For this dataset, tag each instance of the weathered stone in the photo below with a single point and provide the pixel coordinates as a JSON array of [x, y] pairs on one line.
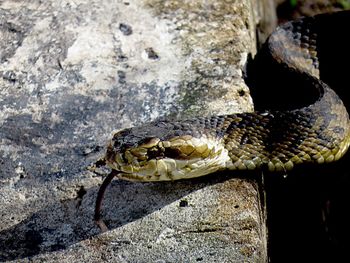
[[71, 72]]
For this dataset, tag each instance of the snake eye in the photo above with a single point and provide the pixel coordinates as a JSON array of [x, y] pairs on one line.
[[155, 153], [173, 153]]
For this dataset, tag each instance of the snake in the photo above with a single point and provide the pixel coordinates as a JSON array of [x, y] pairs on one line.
[[313, 129]]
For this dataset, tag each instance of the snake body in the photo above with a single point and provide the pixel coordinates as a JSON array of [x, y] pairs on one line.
[[316, 131]]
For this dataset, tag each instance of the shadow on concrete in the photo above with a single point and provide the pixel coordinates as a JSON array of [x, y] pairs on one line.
[[65, 222]]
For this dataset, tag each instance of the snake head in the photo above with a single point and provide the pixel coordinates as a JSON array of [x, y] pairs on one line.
[[161, 153]]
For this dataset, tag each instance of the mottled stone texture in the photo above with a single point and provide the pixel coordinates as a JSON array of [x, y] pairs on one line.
[[71, 72]]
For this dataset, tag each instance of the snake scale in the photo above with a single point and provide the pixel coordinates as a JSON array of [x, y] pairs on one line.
[[314, 129]]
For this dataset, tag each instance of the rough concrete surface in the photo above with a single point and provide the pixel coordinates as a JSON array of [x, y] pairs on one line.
[[71, 72]]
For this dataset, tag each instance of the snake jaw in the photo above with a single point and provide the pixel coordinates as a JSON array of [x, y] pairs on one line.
[[163, 160]]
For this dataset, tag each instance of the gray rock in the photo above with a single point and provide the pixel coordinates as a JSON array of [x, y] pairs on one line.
[[72, 72]]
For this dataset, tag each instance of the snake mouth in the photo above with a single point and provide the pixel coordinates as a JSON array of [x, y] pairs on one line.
[[180, 157]]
